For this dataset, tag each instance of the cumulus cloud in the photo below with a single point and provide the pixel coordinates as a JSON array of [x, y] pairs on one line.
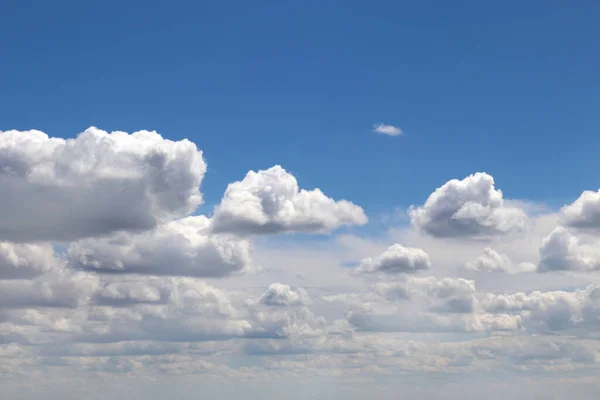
[[126, 300], [444, 295], [492, 261], [23, 261], [548, 311], [468, 207], [278, 294], [187, 309], [269, 201], [58, 288], [389, 130], [563, 251], [406, 321], [64, 189], [583, 212], [184, 247], [397, 259]]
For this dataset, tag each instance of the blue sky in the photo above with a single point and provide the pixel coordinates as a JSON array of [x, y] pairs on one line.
[[476, 86], [112, 276]]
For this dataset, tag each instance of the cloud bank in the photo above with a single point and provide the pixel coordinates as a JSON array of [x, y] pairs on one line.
[[108, 273]]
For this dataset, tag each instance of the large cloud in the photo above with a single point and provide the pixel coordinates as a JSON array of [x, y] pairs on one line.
[[549, 311], [563, 251], [470, 207], [184, 247], [269, 201], [65, 189], [172, 309], [396, 259], [583, 212]]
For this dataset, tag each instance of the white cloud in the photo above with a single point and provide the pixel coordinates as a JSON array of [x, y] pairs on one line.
[[278, 294], [468, 207], [97, 183], [549, 311], [57, 288], [492, 261], [23, 261], [184, 247], [583, 212], [125, 301], [389, 130], [563, 251], [397, 259], [269, 201]]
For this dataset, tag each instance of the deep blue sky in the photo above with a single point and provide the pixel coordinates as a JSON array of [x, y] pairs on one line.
[[510, 87]]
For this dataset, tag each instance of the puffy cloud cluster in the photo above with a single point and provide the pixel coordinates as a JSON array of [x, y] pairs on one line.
[[269, 201], [185, 247], [57, 288], [101, 255], [468, 207], [278, 294], [94, 184], [563, 251], [397, 259], [23, 261], [492, 261], [583, 212], [549, 311]]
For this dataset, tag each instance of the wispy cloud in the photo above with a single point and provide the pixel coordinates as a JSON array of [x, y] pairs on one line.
[[389, 130]]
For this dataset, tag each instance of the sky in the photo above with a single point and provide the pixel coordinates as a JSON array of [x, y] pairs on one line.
[[307, 200]]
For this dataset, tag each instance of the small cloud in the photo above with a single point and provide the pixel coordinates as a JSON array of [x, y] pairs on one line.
[[389, 130]]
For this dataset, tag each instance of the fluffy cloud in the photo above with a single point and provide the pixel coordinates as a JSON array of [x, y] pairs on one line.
[[65, 189], [184, 247], [125, 300], [492, 261], [269, 201], [562, 251], [583, 212], [470, 207], [389, 130], [396, 259], [278, 294], [187, 309], [549, 311], [57, 288], [23, 261], [444, 295]]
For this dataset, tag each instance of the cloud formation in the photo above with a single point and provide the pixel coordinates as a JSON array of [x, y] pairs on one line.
[[389, 130], [584, 212], [270, 201], [468, 207], [397, 259], [184, 247], [492, 261], [94, 184], [563, 251], [24, 261], [113, 290], [278, 294]]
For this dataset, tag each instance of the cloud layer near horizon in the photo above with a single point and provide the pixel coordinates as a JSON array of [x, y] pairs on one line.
[[105, 270]]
